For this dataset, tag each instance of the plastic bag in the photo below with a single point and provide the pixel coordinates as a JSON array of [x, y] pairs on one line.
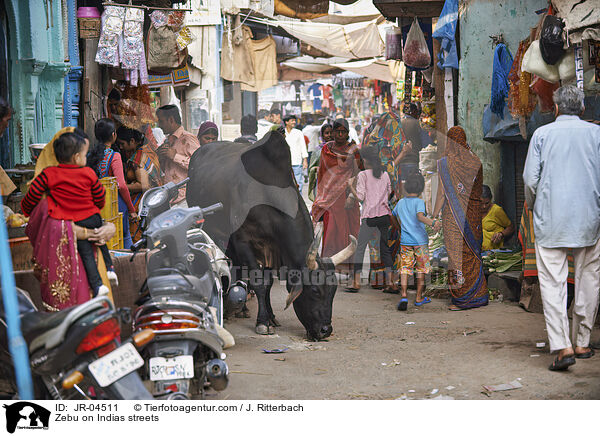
[[416, 53], [393, 43], [534, 63], [551, 41]]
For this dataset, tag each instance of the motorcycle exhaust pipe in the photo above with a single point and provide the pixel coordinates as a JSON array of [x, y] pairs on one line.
[[217, 374]]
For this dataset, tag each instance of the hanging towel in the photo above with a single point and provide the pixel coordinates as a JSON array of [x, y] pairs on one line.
[[503, 61]]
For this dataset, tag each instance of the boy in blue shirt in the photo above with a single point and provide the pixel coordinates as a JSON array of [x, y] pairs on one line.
[[414, 241]]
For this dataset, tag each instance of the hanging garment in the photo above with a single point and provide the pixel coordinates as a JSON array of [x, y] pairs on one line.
[[236, 60], [263, 53], [503, 61], [445, 31]]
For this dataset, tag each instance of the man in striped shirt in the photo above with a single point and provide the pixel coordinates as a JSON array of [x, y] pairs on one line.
[[74, 194]]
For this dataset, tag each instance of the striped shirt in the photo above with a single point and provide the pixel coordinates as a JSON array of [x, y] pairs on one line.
[[74, 192]]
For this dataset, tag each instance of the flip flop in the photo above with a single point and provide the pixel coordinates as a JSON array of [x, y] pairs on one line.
[[562, 364], [424, 301], [390, 290], [351, 290], [403, 304], [585, 355]]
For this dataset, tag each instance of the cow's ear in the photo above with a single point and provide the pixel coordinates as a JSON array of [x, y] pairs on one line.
[[294, 293]]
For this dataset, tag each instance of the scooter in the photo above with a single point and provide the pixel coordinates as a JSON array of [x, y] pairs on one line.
[[77, 353], [186, 355], [227, 297]]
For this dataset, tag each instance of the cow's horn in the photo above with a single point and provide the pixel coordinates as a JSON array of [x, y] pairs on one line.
[[311, 257], [340, 257]]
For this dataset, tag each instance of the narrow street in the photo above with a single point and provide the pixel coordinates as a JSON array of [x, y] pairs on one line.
[[486, 346]]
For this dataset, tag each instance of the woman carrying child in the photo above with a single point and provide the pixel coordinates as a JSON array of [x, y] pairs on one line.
[[75, 194], [410, 212], [373, 189]]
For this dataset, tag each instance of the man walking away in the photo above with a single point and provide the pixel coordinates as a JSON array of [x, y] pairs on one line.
[[264, 123], [562, 185], [295, 140], [176, 151], [248, 126]]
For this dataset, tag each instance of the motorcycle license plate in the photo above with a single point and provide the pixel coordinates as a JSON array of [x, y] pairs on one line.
[[116, 364], [170, 368]]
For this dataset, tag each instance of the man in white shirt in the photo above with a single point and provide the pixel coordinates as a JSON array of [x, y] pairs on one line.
[[295, 140], [264, 123], [312, 133]]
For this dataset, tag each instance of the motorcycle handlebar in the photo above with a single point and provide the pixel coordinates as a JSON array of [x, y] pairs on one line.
[[212, 209], [135, 247], [183, 182]]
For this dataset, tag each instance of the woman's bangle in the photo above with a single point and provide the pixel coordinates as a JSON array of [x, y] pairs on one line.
[[85, 233]]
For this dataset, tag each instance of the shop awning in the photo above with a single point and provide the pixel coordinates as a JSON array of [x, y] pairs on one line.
[[371, 69], [352, 41], [581, 17]]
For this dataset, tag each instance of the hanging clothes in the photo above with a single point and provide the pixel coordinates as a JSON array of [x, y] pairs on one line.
[[263, 53], [503, 62]]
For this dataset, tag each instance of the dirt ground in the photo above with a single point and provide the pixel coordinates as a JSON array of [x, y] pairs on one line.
[[374, 354]]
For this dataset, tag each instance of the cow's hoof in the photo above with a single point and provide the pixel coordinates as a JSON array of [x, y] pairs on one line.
[[262, 329], [271, 330], [275, 323]]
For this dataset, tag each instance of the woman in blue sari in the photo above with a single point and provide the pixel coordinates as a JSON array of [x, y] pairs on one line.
[[459, 199]]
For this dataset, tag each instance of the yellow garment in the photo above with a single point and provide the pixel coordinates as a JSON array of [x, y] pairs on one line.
[[48, 159], [6, 184], [495, 221]]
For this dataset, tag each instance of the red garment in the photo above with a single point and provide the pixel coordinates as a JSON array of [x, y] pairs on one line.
[[116, 170], [335, 169], [74, 192]]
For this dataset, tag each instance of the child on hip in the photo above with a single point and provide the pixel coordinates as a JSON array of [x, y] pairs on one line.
[[74, 194]]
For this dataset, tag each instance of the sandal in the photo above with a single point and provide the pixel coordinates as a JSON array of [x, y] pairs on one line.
[[351, 290], [562, 364], [423, 301], [403, 304], [391, 290], [585, 355]]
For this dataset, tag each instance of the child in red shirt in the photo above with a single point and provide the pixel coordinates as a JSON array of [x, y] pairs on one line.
[[74, 194]]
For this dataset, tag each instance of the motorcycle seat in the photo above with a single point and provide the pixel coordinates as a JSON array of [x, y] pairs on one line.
[[171, 284], [34, 324]]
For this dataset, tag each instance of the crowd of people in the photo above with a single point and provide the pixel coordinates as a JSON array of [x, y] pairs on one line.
[[368, 188]]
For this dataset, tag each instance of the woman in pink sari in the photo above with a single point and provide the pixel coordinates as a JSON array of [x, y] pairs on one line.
[[57, 265]]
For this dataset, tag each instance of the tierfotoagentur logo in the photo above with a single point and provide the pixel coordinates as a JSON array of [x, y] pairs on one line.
[[26, 416]]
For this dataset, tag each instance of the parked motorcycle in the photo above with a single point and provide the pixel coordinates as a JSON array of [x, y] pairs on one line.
[[184, 281], [77, 353], [227, 297]]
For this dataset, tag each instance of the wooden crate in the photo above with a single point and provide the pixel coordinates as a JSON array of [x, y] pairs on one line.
[[111, 205], [116, 243], [21, 252]]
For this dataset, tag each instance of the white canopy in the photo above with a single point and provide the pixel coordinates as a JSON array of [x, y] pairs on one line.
[[313, 65], [371, 68], [352, 41]]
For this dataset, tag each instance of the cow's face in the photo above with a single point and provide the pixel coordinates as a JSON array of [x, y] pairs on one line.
[[314, 304]]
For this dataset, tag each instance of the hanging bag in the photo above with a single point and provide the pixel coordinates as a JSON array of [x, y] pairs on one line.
[[163, 54], [416, 54], [551, 41]]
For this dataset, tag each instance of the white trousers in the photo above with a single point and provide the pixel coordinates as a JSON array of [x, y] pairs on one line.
[[553, 270]]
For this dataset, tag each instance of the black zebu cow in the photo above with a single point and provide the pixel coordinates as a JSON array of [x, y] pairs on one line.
[[265, 227]]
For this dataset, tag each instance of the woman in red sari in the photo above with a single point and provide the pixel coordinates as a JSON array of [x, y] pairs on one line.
[[334, 204], [461, 182]]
